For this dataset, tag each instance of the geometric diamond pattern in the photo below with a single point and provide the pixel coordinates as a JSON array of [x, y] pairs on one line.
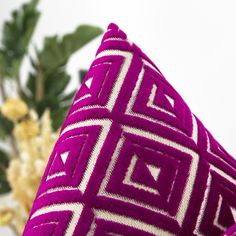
[[132, 159]]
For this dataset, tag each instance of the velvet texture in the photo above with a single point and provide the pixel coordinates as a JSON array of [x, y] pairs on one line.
[[132, 159]]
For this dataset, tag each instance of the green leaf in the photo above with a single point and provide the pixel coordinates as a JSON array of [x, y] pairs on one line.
[[48, 82], [31, 83], [6, 127], [58, 116], [4, 185], [57, 50], [49, 102], [2, 63], [56, 82], [68, 96], [16, 37], [82, 74], [4, 159], [76, 40], [4, 162]]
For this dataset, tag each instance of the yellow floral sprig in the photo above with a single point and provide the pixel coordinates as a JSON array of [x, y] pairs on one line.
[[14, 109], [35, 139], [6, 216]]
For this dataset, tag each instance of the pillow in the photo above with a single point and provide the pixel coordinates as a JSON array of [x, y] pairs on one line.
[[132, 159]]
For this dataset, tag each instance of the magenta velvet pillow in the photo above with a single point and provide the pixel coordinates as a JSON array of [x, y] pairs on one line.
[[132, 159]]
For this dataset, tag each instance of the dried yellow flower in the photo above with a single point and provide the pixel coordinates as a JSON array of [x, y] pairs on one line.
[[14, 109], [26, 129], [27, 170], [6, 216]]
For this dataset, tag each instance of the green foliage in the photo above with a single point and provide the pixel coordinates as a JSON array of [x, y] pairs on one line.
[[5, 127], [4, 161], [49, 79], [57, 51], [16, 37], [82, 74]]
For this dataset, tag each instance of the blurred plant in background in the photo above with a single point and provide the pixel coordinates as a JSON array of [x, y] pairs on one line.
[[30, 116]]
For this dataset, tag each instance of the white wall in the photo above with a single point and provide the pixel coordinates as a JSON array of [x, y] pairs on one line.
[[192, 42]]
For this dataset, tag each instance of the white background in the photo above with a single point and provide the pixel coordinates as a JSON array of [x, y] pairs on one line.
[[192, 42]]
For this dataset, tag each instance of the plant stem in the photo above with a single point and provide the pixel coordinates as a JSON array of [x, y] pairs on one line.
[[13, 228], [19, 86], [15, 151], [39, 85]]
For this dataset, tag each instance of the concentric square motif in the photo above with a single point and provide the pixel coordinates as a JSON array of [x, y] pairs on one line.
[[132, 159]]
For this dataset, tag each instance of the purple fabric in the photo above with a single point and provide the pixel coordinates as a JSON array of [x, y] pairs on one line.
[[231, 231], [132, 159]]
